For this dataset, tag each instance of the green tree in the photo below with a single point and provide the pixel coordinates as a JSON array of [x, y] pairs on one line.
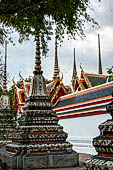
[[11, 97], [110, 72], [6, 123], [48, 81], [30, 16], [29, 79]]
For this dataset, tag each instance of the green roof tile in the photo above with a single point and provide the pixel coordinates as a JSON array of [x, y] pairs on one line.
[[96, 80]]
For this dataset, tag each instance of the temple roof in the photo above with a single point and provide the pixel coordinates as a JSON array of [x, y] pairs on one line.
[[96, 79], [87, 102], [49, 86], [57, 89], [68, 89], [88, 80], [85, 95]]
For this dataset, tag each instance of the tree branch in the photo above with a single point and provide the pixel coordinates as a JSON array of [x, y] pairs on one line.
[[8, 8]]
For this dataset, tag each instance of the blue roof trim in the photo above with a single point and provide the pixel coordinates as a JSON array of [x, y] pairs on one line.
[[80, 110], [85, 97]]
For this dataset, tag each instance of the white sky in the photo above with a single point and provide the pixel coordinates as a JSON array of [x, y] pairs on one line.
[[21, 57]]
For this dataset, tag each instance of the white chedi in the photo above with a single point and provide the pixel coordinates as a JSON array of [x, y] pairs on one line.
[[4, 101]]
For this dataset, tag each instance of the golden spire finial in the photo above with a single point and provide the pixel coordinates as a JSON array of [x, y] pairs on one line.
[[14, 82], [20, 75], [61, 78], [81, 67], [58, 73]]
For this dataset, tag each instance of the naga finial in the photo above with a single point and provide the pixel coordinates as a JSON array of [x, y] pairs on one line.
[[81, 67], [20, 75], [14, 82]]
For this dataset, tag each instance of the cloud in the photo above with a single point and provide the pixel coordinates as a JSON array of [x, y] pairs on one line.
[[103, 12], [21, 57]]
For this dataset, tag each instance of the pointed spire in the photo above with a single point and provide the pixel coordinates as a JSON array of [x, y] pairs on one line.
[[37, 57], [100, 63], [38, 87], [74, 68], [5, 71], [56, 69]]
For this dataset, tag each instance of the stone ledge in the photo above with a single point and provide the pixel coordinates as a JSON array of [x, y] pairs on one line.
[[32, 162]]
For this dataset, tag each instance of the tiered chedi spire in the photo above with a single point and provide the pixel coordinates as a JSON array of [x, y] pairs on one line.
[[38, 85], [4, 98], [7, 123], [40, 141], [56, 68], [37, 69], [100, 63], [5, 71], [74, 76], [74, 68]]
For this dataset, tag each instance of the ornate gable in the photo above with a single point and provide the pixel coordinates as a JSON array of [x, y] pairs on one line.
[[56, 89]]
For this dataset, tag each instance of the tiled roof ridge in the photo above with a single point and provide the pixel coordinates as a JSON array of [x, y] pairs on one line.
[[96, 75], [68, 95]]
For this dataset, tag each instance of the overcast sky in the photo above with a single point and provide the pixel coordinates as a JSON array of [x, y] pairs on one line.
[[21, 57]]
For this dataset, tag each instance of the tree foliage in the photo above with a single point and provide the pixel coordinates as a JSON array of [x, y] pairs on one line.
[[30, 16], [48, 81], [110, 72], [6, 120], [11, 97]]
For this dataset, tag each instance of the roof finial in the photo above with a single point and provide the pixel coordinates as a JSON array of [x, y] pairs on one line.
[[100, 64], [81, 68], [21, 81], [14, 82], [74, 68], [5, 71], [56, 69], [20, 75], [37, 57]]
